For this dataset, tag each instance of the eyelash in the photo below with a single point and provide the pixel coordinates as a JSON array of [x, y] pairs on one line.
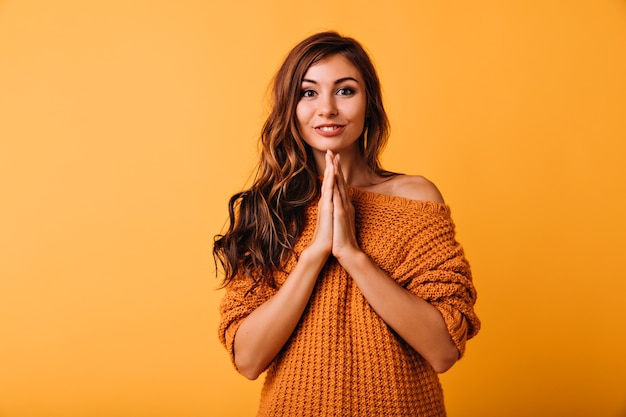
[[343, 91], [347, 91]]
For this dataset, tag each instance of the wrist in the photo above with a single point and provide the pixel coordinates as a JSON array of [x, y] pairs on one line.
[[350, 256], [314, 255]]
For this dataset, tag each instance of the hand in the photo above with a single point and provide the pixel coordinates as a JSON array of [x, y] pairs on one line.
[[323, 237], [344, 229]]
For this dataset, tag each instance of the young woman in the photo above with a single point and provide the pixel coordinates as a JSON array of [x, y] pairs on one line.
[[343, 281]]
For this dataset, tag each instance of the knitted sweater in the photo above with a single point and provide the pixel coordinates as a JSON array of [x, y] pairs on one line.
[[342, 359]]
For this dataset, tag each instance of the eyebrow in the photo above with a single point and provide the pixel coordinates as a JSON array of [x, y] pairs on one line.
[[339, 81]]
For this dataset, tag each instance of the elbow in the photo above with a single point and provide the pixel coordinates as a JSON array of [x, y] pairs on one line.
[[444, 362], [249, 374], [248, 369], [442, 366], [248, 362]]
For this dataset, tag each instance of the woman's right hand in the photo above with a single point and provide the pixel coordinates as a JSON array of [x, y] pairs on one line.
[[265, 331], [322, 242]]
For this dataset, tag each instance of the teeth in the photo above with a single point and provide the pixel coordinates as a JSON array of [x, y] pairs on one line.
[[328, 128]]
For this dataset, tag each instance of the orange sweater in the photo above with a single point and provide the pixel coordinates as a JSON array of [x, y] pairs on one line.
[[342, 359]]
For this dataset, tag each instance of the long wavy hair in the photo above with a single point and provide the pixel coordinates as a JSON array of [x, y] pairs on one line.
[[266, 219]]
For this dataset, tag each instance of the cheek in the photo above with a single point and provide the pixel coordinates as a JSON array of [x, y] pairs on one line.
[[301, 113], [360, 113], [364, 108], [357, 110]]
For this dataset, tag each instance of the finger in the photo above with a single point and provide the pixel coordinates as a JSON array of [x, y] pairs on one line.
[[341, 181], [324, 227], [337, 197], [329, 180], [339, 214], [341, 200]]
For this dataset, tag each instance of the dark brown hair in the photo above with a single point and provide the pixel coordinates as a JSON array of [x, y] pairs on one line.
[[266, 219]]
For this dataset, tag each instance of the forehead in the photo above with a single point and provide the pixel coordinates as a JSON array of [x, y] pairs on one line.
[[333, 68]]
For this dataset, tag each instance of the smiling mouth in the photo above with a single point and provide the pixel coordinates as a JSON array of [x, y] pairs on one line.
[[328, 128]]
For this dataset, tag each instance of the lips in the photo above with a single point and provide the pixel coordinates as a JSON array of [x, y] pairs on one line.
[[329, 129]]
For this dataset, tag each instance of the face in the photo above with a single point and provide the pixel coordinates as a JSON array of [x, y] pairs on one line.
[[331, 110]]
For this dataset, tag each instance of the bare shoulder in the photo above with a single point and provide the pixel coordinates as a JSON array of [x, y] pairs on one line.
[[413, 187]]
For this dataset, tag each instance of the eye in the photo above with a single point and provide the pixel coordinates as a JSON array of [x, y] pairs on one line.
[[307, 93], [345, 91]]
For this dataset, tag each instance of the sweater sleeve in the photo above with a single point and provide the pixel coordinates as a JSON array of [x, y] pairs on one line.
[[237, 303], [438, 272]]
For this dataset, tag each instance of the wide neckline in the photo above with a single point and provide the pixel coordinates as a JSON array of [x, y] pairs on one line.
[[373, 197]]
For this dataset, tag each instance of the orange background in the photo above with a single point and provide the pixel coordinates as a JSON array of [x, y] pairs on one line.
[[126, 126]]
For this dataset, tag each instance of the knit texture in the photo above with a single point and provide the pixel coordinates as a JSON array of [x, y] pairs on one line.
[[343, 359]]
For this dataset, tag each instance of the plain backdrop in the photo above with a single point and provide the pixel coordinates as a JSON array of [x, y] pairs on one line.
[[125, 126]]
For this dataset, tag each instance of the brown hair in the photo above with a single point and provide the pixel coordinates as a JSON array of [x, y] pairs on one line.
[[266, 219]]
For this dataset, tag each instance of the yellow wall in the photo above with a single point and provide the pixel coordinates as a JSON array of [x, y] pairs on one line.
[[126, 125]]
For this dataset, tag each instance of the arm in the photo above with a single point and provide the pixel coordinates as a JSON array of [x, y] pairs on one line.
[[264, 332], [417, 321]]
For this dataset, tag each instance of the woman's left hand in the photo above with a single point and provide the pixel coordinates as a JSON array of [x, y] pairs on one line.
[[344, 230]]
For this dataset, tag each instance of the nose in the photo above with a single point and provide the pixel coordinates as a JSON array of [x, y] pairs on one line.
[[326, 106]]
